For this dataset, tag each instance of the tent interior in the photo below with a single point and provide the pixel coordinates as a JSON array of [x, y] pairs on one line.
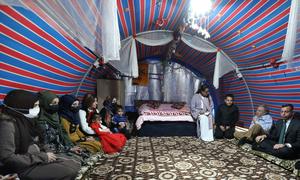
[[159, 49]]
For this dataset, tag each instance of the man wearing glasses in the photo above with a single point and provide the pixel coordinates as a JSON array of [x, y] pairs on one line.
[[283, 140], [260, 125]]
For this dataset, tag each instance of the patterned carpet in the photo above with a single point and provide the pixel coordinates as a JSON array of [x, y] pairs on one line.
[[170, 158]]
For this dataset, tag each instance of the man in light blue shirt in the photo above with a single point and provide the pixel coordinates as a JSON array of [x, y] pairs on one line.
[[283, 140], [260, 125]]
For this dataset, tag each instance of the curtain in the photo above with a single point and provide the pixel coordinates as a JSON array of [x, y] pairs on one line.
[[223, 64], [155, 38], [175, 84], [94, 23], [180, 84], [155, 74], [198, 43], [129, 91], [128, 64], [291, 49], [110, 30]]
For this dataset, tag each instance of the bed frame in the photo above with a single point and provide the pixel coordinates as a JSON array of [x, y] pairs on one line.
[[162, 128]]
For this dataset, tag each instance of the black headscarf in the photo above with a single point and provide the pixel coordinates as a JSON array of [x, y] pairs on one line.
[[46, 98], [66, 110], [17, 102]]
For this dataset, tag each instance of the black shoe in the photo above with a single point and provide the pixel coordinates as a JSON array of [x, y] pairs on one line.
[[297, 165], [242, 141]]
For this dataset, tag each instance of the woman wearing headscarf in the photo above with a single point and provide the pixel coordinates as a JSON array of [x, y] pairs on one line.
[[53, 136], [107, 112], [68, 112], [18, 152]]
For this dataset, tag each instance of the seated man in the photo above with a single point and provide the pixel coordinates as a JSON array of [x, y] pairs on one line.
[[226, 117], [283, 140], [260, 125]]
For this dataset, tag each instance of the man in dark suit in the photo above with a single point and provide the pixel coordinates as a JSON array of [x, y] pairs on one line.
[[283, 140]]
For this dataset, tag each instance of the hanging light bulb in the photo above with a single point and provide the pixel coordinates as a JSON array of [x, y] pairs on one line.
[[200, 7], [198, 16]]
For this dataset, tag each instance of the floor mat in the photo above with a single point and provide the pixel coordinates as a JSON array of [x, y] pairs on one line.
[[170, 158]]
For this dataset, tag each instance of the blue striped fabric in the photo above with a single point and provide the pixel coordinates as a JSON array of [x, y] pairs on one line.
[[34, 56], [270, 86], [141, 15], [37, 53], [230, 84]]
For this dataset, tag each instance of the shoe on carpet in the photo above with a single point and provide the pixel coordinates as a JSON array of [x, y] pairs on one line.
[[297, 165], [242, 141]]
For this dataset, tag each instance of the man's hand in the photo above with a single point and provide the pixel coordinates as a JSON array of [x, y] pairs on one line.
[[260, 138], [227, 127], [278, 146], [254, 120], [222, 128]]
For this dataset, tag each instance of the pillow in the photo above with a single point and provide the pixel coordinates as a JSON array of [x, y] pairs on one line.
[[154, 104], [139, 103], [178, 105]]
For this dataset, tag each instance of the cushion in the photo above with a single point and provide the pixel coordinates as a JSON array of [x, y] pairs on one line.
[[286, 164]]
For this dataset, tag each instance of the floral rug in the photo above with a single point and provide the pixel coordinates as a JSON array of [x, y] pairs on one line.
[[170, 158]]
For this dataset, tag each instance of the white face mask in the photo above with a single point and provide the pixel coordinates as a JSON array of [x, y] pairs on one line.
[[33, 113], [114, 100]]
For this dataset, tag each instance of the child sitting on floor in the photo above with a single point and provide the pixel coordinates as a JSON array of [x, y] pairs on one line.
[[111, 143], [120, 122]]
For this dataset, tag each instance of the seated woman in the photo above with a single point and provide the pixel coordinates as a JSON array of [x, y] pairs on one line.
[[18, 152], [89, 107], [53, 136], [109, 107], [68, 112], [111, 143]]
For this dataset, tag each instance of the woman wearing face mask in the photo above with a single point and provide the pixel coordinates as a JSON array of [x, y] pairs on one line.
[[68, 112], [18, 153], [53, 136]]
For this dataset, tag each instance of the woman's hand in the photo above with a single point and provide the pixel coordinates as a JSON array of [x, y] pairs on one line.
[[76, 149], [9, 177], [51, 157], [106, 130], [90, 138]]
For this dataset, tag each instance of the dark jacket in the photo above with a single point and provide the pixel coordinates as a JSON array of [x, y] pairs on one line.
[[14, 162], [292, 135], [227, 115]]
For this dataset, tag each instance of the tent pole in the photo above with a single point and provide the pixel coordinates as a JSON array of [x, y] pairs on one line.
[[85, 75]]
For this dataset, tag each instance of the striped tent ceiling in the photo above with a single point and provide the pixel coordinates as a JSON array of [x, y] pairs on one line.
[[37, 51], [250, 32]]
